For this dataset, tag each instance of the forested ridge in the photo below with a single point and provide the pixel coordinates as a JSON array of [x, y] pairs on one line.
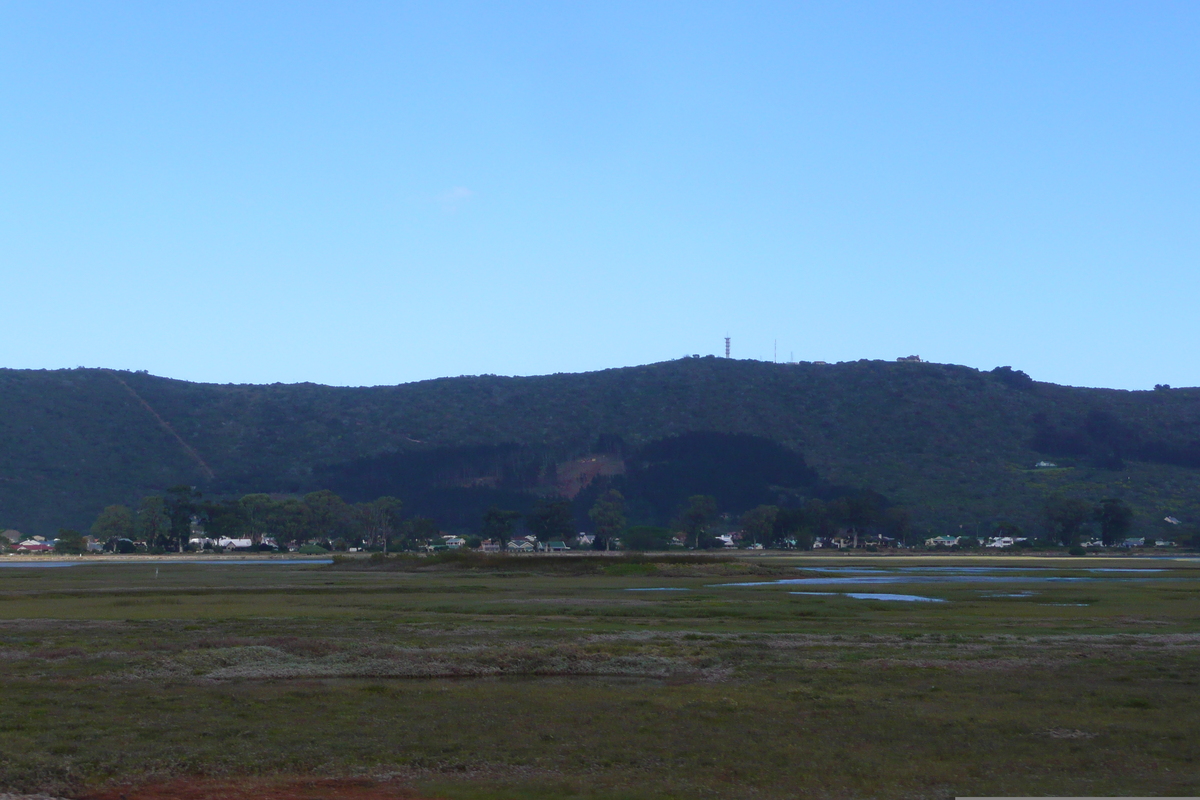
[[953, 445]]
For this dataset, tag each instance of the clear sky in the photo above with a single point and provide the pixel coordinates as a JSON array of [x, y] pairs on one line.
[[372, 193]]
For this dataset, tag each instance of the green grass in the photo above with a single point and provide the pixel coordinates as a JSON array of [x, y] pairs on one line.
[[473, 684]]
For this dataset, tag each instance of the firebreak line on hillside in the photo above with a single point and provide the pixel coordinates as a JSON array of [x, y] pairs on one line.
[[167, 427]]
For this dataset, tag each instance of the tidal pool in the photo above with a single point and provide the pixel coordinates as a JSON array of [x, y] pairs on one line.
[[878, 596]]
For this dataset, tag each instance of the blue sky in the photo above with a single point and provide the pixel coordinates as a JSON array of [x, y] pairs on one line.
[[373, 193]]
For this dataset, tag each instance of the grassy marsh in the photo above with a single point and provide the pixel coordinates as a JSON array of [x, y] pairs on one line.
[[468, 683]]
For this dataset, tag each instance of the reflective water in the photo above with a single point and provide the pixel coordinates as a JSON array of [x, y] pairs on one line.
[[897, 578], [959, 574], [659, 589], [878, 596]]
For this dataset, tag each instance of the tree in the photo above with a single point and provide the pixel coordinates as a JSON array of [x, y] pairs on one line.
[[256, 510], [608, 517], [498, 525], [72, 542], [695, 517], [1115, 518], [551, 520], [420, 530], [759, 523], [114, 522], [858, 512], [151, 524], [379, 519], [1065, 517], [646, 537], [1009, 529], [327, 514], [182, 503], [897, 523], [803, 525], [287, 520]]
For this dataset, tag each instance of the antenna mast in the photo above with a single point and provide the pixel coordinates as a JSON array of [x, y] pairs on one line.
[[727, 347]]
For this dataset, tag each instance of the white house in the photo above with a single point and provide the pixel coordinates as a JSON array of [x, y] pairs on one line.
[[942, 541]]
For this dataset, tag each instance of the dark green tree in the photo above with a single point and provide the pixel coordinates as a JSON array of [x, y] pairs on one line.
[[498, 525], [1065, 518], [695, 518], [646, 537], [151, 523], [608, 517], [896, 523], [181, 504], [420, 531], [327, 514], [379, 520], [287, 521], [1115, 518], [70, 541], [551, 520], [226, 518], [759, 523], [114, 522], [256, 509]]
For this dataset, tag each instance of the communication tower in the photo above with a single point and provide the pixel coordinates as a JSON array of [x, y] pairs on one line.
[[727, 347]]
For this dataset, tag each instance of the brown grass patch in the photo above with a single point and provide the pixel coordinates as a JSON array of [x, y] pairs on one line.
[[279, 788]]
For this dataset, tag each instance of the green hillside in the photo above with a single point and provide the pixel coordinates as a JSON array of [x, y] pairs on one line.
[[954, 445]]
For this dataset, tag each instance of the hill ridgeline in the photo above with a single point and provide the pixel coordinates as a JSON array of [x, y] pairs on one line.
[[953, 445]]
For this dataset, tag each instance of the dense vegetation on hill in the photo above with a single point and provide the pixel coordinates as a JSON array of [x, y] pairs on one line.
[[954, 445]]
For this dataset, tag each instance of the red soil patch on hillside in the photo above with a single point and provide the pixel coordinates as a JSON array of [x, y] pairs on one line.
[[261, 789]]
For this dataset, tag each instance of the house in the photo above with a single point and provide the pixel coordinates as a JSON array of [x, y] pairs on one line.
[[555, 547], [489, 546], [33, 546], [914, 359], [520, 546], [236, 544], [453, 542], [1002, 541], [585, 539], [1045, 465], [1171, 521], [942, 541], [726, 540], [1132, 542]]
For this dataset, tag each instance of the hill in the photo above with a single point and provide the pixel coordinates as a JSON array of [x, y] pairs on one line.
[[954, 445]]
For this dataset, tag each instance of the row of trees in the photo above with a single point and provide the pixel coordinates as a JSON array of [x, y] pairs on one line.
[[862, 512], [167, 521], [1068, 517]]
